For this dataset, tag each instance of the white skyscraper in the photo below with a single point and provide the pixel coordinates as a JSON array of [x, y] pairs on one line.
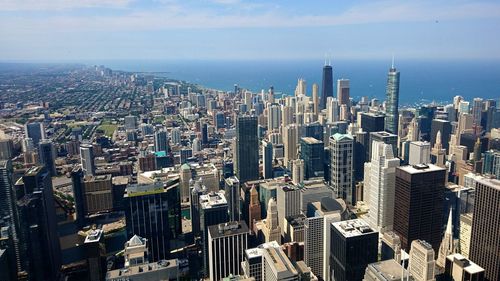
[[420, 152], [297, 171], [273, 117], [290, 142], [380, 180], [288, 202], [422, 264], [332, 109]]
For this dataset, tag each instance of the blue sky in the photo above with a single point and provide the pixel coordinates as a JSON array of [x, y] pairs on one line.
[[237, 29]]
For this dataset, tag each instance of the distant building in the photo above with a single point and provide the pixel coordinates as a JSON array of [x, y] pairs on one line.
[[87, 158], [232, 191], [326, 86], [420, 153], [247, 149], [47, 154], [392, 101], [6, 149], [444, 129], [312, 152], [98, 194], [35, 131]]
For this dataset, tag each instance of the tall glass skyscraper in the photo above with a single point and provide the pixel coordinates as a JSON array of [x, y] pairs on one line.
[[327, 85], [247, 149], [392, 101]]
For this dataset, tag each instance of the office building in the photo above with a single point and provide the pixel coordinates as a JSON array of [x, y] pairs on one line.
[[314, 191], [422, 265], [227, 243], [444, 127], [254, 212], [320, 216], [277, 266], [290, 142], [152, 204], [477, 107], [288, 203], [312, 152], [38, 227], [204, 133], [484, 243], [161, 141], [326, 85], [87, 158], [247, 149], [98, 194], [372, 122], [273, 117], [419, 185], [341, 149], [332, 110], [386, 270], [465, 234], [353, 246], [392, 101], [297, 171], [438, 153], [95, 252], [213, 210], [6, 149], [491, 163], [379, 186], [420, 153], [47, 154], [137, 266], [34, 131], [315, 97], [232, 191], [384, 137], [9, 215], [459, 267], [343, 92], [267, 159]]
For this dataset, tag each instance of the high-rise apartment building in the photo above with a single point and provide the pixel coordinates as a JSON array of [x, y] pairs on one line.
[[290, 142], [161, 141], [343, 92], [341, 148], [87, 158], [392, 101]]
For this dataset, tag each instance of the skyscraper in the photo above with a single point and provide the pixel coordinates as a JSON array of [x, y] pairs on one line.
[[327, 85], [420, 152], [341, 147], [288, 203], [161, 141], [47, 156], [227, 243], [290, 141], [6, 149], [312, 152], [38, 226], [247, 149], [232, 191], [151, 204], [87, 158], [277, 266], [343, 92], [484, 243], [423, 186], [422, 264], [315, 96], [267, 159], [273, 117], [379, 185], [35, 131], [353, 246], [392, 101], [444, 128]]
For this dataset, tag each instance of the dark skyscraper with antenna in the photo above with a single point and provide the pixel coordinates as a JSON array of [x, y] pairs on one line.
[[327, 85], [392, 100]]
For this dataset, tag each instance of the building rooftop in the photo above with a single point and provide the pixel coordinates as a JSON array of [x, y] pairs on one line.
[[144, 189], [280, 261], [310, 140], [388, 270], [228, 229], [94, 235], [490, 182], [125, 273], [297, 220], [341, 137], [464, 263], [212, 200], [420, 168], [351, 228], [383, 134]]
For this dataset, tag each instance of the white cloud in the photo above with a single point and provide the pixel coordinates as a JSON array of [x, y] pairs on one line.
[[51, 5]]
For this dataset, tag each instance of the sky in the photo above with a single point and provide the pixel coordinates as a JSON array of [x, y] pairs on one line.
[[77, 30]]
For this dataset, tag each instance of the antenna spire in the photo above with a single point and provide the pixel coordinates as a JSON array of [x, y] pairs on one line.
[[330, 60], [326, 55], [392, 65]]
